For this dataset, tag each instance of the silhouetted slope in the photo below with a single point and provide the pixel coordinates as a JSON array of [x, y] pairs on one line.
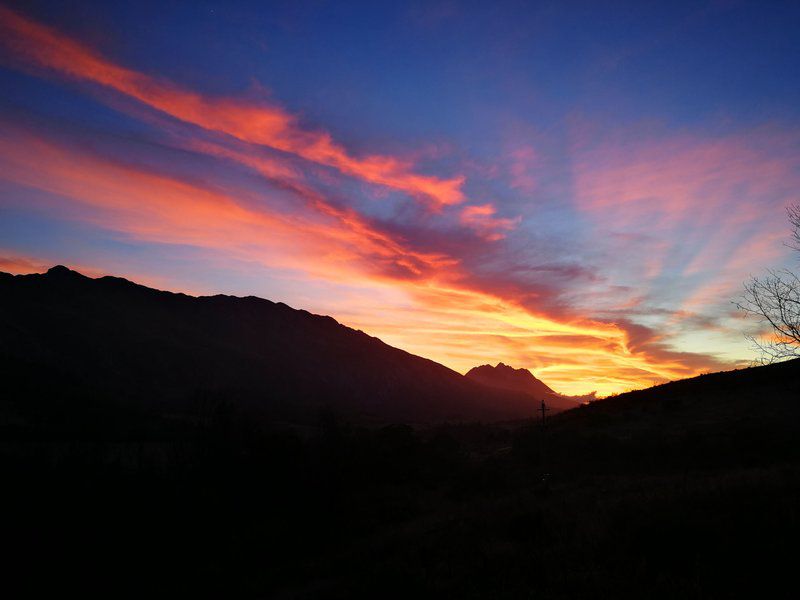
[[768, 395], [731, 418], [170, 351], [520, 380]]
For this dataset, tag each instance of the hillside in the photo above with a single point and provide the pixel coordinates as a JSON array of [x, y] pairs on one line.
[[766, 396], [731, 419], [157, 350]]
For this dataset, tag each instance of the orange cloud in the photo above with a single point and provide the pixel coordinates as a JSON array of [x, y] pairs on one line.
[[11, 262], [162, 209], [382, 245], [34, 44], [423, 302], [481, 219]]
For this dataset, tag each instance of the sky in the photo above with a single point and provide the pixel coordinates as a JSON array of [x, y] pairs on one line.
[[579, 189]]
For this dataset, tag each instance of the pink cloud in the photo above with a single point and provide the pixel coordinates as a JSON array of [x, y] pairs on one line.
[[34, 44], [481, 218], [685, 206]]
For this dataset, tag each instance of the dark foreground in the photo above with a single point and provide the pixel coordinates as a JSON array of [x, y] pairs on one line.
[[690, 490]]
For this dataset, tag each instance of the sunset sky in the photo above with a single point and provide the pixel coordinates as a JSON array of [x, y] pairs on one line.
[[575, 188]]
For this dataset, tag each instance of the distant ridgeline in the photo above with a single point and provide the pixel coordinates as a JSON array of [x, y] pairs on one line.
[[109, 338]]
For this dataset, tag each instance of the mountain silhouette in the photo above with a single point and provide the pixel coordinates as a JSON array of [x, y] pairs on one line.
[[520, 380], [156, 349]]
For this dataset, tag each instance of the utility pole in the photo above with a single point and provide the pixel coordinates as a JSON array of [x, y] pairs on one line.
[[543, 409], [545, 475]]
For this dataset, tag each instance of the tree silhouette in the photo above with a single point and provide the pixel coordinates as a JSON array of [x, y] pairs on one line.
[[775, 300]]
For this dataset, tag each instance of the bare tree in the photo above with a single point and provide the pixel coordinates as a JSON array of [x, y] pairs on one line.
[[775, 300], [794, 219]]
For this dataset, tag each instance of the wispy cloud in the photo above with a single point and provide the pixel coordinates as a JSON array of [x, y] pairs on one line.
[[701, 210], [482, 219], [39, 46]]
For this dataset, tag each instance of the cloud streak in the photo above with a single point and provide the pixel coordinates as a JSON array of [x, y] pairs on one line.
[[441, 310], [39, 46]]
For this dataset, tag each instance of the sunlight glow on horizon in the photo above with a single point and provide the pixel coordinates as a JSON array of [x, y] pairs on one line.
[[611, 273]]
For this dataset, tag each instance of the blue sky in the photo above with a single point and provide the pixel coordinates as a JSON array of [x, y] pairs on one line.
[[568, 187]]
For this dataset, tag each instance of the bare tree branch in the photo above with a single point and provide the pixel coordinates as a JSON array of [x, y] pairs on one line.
[[775, 300], [794, 219]]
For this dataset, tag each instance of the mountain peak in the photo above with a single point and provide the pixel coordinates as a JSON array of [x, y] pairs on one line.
[[509, 369], [60, 271], [507, 377]]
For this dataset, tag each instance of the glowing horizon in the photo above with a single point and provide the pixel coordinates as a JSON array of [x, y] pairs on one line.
[[599, 250]]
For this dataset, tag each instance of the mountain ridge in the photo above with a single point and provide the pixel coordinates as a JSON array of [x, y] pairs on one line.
[[150, 345]]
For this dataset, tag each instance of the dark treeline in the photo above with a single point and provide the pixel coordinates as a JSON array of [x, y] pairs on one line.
[[217, 502]]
